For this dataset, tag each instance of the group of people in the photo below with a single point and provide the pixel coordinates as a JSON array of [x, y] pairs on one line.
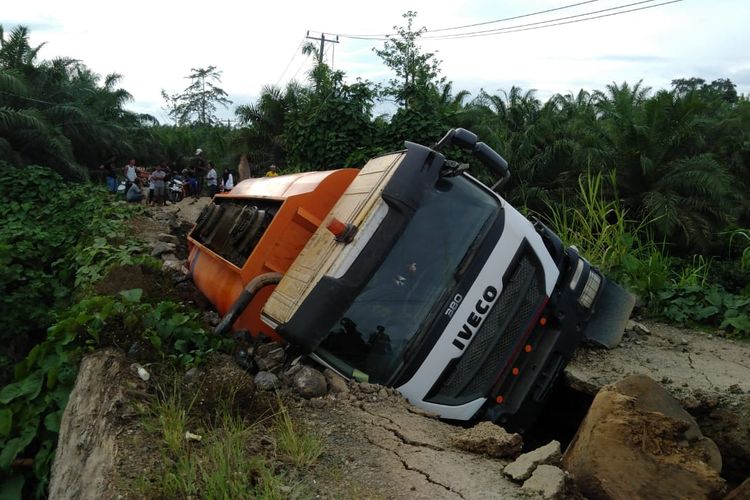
[[137, 177]]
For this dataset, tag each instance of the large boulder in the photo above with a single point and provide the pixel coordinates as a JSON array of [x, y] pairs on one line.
[[637, 442], [98, 406]]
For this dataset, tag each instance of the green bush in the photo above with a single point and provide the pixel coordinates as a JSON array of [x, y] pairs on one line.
[[48, 229], [707, 305], [32, 406]]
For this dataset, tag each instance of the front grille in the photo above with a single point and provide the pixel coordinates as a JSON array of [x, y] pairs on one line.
[[473, 374]]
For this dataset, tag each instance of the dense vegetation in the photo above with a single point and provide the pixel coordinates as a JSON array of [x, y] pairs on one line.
[[651, 185], [57, 240]]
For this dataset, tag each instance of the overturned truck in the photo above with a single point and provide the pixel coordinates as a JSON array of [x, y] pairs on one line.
[[408, 273]]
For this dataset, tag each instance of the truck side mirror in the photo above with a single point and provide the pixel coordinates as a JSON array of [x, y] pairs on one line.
[[490, 158], [467, 140], [464, 139]]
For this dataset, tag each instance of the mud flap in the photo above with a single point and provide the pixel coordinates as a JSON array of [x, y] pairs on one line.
[[611, 314]]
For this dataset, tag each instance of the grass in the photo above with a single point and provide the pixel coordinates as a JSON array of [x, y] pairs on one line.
[[300, 447], [624, 249], [227, 462]]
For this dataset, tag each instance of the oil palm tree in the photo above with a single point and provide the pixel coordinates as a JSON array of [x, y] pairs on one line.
[[664, 172], [55, 113]]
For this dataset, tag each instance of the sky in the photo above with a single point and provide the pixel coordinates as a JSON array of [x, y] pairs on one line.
[[155, 44]]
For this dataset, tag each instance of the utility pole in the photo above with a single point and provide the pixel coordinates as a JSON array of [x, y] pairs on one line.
[[322, 41]]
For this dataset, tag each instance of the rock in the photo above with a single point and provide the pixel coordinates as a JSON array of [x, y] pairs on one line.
[[172, 263], [368, 388], [637, 442], [336, 383], [309, 382], [741, 492], [270, 360], [161, 248], [383, 393], [638, 328], [547, 482], [293, 370], [318, 403], [263, 349], [521, 469], [192, 375], [267, 381], [211, 317], [168, 238], [489, 439]]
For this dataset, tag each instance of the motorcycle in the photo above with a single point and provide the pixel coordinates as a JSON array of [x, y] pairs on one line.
[[176, 189]]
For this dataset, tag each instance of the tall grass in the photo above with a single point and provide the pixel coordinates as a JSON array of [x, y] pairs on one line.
[[599, 228]]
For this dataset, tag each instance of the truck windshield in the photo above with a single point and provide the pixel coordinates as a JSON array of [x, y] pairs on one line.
[[373, 333]]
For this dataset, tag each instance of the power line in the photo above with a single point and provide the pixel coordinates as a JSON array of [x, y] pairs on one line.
[[322, 41], [294, 55], [512, 29], [530, 14], [537, 23], [552, 22], [513, 18], [304, 61]]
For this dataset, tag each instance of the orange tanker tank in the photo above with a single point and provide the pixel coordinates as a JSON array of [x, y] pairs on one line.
[[249, 237]]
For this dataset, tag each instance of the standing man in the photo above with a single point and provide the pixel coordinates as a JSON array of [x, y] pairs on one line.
[[159, 185], [212, 179], [130, 174], [272, 171], [199, 167]]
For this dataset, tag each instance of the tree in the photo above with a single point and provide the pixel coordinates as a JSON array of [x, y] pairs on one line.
[[416, 71], [56, 113], [197, 103], [262, 140], [329, 125], [665, 172]]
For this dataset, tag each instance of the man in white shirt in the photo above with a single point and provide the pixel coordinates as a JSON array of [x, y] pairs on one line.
[[130, 174], [211, 179]]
